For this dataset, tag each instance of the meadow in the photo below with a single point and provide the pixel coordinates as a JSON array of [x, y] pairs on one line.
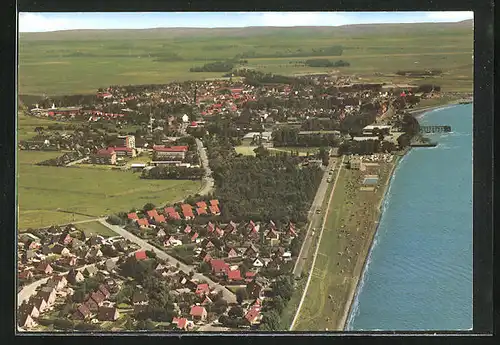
[[82, 61], [43, 192]]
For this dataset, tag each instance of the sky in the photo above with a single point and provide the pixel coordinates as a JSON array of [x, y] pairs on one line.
[[46, 21]]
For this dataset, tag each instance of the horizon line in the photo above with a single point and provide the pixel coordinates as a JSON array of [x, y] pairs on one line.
[[248, 27]]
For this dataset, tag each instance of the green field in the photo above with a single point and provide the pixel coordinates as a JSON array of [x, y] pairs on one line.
[[80, 61], [43, 190], [95, 228]]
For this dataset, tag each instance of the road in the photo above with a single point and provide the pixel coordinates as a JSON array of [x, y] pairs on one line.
[[208, 181], [314, 219], [30, 289], [297, 312], [228, 295]]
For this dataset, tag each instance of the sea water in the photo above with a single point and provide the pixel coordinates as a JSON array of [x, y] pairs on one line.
[[419, 271]]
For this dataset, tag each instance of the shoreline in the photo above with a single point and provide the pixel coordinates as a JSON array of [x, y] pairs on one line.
[[420, 111], [354, 292]]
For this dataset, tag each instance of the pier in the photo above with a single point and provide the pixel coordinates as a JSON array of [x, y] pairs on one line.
[[435, 129]]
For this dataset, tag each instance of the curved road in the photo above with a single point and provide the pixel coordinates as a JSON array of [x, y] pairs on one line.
[[30, 289], [228, 295]]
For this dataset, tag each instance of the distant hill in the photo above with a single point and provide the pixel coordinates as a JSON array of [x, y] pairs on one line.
[[299, 31]]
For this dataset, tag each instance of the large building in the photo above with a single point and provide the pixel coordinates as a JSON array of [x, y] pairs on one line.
[[127, 141], [169, 153], [124, 151], [104, 156]]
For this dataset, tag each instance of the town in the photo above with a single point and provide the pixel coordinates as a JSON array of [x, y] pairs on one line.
[[227, 257]]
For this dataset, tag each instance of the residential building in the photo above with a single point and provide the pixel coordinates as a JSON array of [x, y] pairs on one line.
[[170, 153], [198, 313], [127, 141], [104, 156]]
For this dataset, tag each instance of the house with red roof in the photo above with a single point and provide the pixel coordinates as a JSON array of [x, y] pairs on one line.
[[205, 256], [180, 323], [143, 222], [210, 227], [234, 276], [140, 255], [169, 210], [187, 211], [214, 202], [253, 316], [219, 267], [152, 213], [198, 313], [194, 237], [202, 289], [201, 211], [160, 218], [174, 216], [201, 204], [132, 216], [214, 209], [187, 229]]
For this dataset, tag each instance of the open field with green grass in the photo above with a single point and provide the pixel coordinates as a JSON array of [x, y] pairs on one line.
[[26, 125], [95, 228], [43, 190], [245, 150], [81, 61], [346, 240]]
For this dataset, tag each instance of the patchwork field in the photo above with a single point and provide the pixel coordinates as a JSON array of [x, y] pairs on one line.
[[81, 62]]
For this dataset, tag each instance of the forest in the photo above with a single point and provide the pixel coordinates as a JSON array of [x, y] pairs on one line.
[[261, 188]]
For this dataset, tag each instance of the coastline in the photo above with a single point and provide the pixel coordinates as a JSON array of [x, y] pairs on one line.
[[354, 292]]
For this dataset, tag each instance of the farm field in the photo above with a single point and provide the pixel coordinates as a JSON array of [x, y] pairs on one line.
[[43, 190], [336, 271], [80, 62]]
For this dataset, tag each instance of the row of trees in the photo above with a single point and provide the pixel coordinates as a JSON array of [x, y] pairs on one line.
[[289, 136], [219, 66], [324, 51], [173, 172], [326, 63]]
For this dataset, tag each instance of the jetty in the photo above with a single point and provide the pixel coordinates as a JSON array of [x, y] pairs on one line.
[[435, 129]]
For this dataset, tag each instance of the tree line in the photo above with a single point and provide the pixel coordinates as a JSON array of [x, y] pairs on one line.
[[289, 136], [173, 172], [326, 63]]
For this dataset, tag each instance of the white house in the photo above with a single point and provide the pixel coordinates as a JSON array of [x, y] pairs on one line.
[[258, 263], [185, 118]]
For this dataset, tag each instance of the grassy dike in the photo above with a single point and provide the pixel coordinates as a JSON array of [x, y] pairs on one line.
[[347, 238]]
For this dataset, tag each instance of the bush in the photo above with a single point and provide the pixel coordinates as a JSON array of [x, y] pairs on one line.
[[114, 220]]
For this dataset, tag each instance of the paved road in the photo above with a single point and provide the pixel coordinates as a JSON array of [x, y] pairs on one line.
[[314, 219], [228, 295], [297, 312], [30, 289], [207, 179]]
